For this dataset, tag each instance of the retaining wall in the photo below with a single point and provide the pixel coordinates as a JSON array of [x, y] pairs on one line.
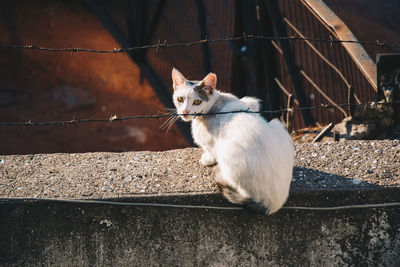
[[42, 223]]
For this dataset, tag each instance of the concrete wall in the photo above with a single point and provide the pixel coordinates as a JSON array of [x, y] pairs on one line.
[[47, 232], [62, 234]]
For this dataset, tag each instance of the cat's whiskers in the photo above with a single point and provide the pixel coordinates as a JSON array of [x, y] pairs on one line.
[[171, 120]]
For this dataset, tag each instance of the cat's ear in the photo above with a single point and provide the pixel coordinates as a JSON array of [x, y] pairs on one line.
[[210, 81], [177, 78]]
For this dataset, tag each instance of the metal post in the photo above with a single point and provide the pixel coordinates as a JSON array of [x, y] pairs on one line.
[[289, 114]]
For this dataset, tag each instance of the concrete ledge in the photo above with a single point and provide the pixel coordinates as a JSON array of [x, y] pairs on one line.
[[40, 232]]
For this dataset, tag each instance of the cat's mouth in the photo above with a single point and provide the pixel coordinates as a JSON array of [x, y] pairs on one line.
[[186, 117]]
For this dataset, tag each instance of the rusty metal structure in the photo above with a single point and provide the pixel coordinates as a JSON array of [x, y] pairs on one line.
[[330, 74], [314, 72]]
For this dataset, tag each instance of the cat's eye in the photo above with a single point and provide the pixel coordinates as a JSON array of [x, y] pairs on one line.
[[197, 102], [180, 99]]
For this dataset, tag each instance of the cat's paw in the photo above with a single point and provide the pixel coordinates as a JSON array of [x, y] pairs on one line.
[[207, 160]]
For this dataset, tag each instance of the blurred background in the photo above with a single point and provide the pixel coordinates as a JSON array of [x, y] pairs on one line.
[[48, 86]]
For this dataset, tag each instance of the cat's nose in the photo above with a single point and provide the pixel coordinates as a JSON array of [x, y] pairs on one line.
[[185, 111]]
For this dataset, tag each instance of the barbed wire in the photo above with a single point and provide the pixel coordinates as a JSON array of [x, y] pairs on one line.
[[161, 116], [164, 44], [8, 201]]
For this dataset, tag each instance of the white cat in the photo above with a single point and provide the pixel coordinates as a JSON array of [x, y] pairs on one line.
[[254, 157]]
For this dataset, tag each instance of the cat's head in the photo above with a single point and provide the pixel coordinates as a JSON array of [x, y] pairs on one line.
[[191, 97]]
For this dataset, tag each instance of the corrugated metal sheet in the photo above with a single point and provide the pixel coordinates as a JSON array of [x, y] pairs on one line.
[[179, 23], [321, 73]]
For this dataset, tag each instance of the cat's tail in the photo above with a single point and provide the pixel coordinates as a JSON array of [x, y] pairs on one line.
[[235, 197], [252, 103]]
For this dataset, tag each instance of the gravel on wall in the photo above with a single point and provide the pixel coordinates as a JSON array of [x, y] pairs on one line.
[[322, 166]]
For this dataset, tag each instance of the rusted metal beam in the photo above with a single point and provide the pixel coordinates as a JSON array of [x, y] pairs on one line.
[[280, 85], [324, 132], [339, 29], [326, 60], [316, 87], [308, 78]]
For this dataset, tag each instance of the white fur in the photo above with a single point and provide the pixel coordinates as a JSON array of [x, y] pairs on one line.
[[254, 157], [252, 102]]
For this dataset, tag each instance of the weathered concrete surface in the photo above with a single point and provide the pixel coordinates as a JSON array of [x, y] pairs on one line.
[[343, 165], [329, 174], [85, 235]]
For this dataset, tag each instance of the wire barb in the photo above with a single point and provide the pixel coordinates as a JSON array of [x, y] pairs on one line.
[[113, 118], [244, 36], [173, 116]]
